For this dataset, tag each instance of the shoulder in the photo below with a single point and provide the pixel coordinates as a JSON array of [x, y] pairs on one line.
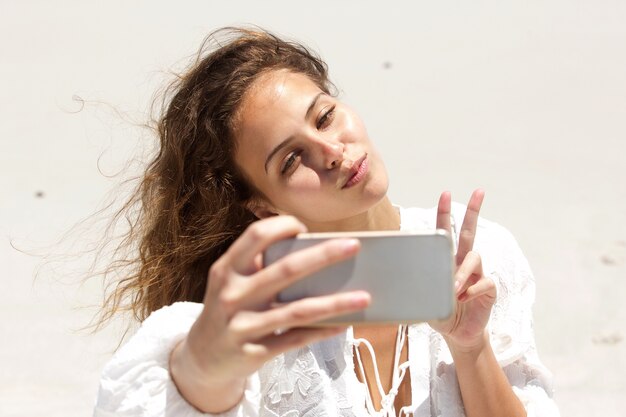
[[136, 379], [169, 321], [157, 335]]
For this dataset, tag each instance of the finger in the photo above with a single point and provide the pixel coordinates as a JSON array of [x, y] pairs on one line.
[[299, 264], [244, 252], [298, 314], [258, 291], [484, 286], [276, 344], [469, 272], [443, 211], [470, 221]]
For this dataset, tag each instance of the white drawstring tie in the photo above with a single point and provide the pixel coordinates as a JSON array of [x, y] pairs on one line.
[[399, 371]]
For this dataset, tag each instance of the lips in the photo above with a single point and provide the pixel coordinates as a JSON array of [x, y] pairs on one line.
[[356, 172]]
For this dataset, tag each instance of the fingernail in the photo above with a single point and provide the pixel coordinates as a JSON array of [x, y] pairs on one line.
[[457, 285], [360, 299], [350, 245]]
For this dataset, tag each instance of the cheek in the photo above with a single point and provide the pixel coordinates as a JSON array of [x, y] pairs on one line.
[[353, 128], [301, 189], [303, 181]]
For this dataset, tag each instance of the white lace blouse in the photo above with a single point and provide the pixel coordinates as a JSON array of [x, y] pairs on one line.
[[320, 380]]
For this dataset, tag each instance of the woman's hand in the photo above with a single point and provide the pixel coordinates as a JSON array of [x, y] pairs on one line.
[[239, 328], [475, 293]]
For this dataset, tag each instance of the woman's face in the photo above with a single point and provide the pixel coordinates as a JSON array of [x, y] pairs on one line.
[[308, 153]]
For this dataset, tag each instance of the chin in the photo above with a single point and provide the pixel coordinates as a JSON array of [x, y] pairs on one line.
[[377, 187]]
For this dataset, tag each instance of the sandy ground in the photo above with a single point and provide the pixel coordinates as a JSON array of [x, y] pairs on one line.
[[527, 101]]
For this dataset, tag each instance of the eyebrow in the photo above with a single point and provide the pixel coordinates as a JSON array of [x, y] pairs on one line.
[[289, 139]]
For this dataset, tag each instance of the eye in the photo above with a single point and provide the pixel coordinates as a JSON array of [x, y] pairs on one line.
[[292, 159], [326, 119]]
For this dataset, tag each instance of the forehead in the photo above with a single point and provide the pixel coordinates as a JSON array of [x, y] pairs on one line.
[[272, 106], [277, 88]]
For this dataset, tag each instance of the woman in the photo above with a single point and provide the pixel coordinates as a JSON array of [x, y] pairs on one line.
[[252, 131]]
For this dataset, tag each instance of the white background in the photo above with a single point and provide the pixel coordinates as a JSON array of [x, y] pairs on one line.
[[526, 99]]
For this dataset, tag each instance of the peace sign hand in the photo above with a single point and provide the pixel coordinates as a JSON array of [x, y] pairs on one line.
[[475, 293]]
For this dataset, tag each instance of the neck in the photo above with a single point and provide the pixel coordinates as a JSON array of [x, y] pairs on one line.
[[382, 216]]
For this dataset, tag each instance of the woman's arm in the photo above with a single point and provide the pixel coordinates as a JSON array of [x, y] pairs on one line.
[[485, 390], [496, 369], [202, 394], [188, 359], [239, 329]]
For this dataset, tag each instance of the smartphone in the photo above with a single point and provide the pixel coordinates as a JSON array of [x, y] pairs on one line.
[[408, 274]]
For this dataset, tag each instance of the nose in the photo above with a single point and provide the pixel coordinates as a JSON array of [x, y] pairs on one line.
[[332, 153]]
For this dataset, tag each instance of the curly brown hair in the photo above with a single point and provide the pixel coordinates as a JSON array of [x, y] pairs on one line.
[[190, 204]]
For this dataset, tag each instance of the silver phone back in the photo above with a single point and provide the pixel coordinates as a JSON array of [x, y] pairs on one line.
[[409, 275]]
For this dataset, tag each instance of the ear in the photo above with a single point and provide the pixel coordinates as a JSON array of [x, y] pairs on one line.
[[261, 209]]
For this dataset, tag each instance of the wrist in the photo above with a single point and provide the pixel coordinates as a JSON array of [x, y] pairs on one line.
[[485, 389], [203, 393], [470, 347]]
